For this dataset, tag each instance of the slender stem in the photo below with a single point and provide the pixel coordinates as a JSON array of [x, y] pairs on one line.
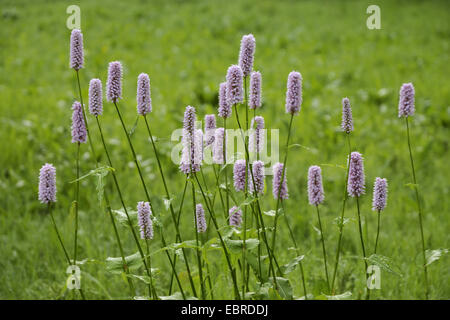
[[149, 262], [199, 261], [176, 221], [77, 195], [269, 251], [225, 169], [281, 182], [176, 237], [378, 232], [416, 188], [130, 223], [302, 273], [91, 145], [213, 216], [341, 222], [362, 245], [217, 175], [323, 247]]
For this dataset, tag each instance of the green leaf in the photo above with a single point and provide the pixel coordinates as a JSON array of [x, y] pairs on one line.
[[252, 260], [289, 267], [384, 263], [114, 265], [145, 279], [284, 288], [176, 296], [94, 172], [121, 217], [133, 128], [343, 296], [434, 255], [100, 173], [236, 246]]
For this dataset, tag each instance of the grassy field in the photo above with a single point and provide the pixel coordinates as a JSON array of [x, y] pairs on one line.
[[186, 48]]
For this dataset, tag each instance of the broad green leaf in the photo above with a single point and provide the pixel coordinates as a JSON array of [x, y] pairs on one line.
[[284, 288], [176, 296], [384, 263], [343, 296], [115, 265], [121, 217], [434, 255], [252, 260], [289, 267], [236, 246]]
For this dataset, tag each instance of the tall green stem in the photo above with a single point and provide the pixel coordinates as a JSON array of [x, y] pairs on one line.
[[91, 145], [341, 222], [227, 256], [281, 182], [323, 248], [378, 232], [363, 247], [419, 207], [77, 195], [130, 223], [172, 211], [199, 261]]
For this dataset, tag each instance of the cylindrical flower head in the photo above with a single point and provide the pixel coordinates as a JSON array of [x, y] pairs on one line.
[[347, 119], [201, 221], [95, 97], [144, 100], [144, 220], [235, 215], [279, 189], [76, 50], [256, 139], [114, 83], [239, 175], [79, 133], [246, 54], [210, 127], [235, 92], [379, 194], [255, 90], [356, 179], [189, 120], [258, 176], [47, 183], [218, 146], [315, 187], [224, 105], [192, 153], [294, 92], [406, 102]]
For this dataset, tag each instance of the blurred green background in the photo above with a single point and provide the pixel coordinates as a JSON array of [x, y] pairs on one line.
[[186, 48]]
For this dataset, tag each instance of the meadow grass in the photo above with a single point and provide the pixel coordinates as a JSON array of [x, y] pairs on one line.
[[186, 48]]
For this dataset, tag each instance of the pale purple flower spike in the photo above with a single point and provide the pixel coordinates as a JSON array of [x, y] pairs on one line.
[[246, 54], [210, 128], [235, 92], [114, 83], [144, 100], [235, 215], [379, 194], [95, 97], [256, 139], [144, 220], [294, 92], [76, 50], [255, 90], [258, 176], [79, 133], [200, 215], [218, 146], [47, 183], [224, 106], [192, 153], [356, 179], [406, 102], [276, 182], [239, 175], [347, 119], [315, 187]]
